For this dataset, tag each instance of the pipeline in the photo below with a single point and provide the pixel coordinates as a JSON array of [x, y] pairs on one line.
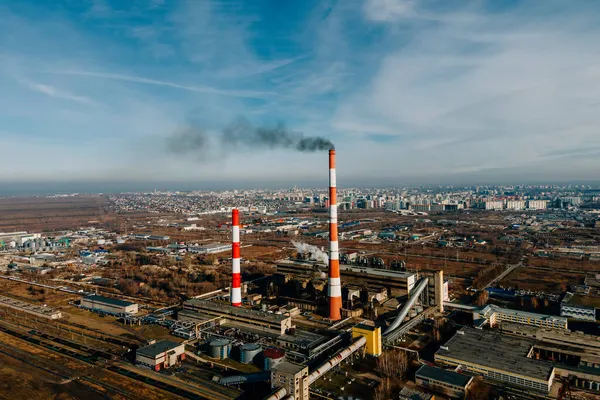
[[335, 360], [278, 395], [414, 296], [247, 378]]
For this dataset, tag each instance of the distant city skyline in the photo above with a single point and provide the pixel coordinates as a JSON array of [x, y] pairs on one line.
[[409, 92]]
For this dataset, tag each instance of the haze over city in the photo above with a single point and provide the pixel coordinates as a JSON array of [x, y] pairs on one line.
[[410, 92]]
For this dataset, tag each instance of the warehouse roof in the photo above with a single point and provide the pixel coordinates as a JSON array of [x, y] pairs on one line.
[[495, 350], [153, 350], [441, 375], [108, 300]]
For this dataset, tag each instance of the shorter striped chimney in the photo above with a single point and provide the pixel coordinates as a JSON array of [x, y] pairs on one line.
[[236, 276]]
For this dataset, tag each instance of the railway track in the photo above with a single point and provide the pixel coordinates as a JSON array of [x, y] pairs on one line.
[[103, 359]]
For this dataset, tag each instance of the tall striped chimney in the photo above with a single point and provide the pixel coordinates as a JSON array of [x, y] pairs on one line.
[[335, 288], [236, 276]]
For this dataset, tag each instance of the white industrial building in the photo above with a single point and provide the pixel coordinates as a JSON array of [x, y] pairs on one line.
[[210, 248], [108, 305]]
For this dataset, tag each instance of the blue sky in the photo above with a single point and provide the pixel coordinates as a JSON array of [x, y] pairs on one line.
[[409, 91]]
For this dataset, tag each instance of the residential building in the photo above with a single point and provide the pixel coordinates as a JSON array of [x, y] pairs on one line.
[[537, 204]]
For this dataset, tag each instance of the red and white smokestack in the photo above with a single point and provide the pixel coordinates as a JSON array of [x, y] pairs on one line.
[[236, 276], [335, 287]]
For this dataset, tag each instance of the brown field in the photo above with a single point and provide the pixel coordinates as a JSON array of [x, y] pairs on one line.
[[541, 280], [36, 214]]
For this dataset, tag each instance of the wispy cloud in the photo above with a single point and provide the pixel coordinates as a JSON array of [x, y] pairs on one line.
[[143, 80], [60, 94]]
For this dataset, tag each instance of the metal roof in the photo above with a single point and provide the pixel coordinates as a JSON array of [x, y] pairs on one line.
[[108, 300], [494, 350], [153, 350], [442, 375]]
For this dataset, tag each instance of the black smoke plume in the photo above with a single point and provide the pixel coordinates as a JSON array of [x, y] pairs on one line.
[[242, 134]]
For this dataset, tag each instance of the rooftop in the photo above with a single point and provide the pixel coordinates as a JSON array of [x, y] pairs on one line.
[[523, 314], [492, 349], [304, 339], [412, 394], [153, 350], [445, 376], [108, 300], [582, 301], [225, 308], [288, 368]]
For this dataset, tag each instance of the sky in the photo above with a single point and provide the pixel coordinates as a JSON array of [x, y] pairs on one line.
[[410, 91]]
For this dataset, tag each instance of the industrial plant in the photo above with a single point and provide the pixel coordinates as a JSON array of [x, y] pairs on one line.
[[311, 323]]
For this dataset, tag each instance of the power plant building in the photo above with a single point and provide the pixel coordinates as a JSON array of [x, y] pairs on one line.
[[291, 377], [398, 283], [108, 305], [202, 310]]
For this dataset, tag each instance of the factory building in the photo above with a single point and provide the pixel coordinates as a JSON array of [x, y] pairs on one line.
[[293, 378], [162, 354], [108, 305], [201, 310], [398, 283], [209, 248], [497, 357], [495, 315], [586, 308], [439, 380]]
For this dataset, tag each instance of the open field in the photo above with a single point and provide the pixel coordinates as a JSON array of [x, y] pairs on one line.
[[36, 214]]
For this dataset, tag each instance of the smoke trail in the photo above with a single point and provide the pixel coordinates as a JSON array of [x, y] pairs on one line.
[[242, 134], [316, 253]]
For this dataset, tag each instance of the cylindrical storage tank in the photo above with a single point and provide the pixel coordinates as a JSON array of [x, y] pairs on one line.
[[263, 307], [219, 348], [249, 351], [273, 356], [596, 386], [418, 309]]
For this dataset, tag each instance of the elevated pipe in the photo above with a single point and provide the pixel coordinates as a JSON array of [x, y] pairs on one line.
[[335, 360], [414, 296], [278, 395]]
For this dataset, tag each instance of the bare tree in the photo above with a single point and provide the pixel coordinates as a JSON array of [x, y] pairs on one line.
[[482, 298], [392, 364]]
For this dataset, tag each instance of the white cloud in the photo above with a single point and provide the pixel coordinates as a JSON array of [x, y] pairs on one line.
[[60, 94], [494, 91], [388, 10]]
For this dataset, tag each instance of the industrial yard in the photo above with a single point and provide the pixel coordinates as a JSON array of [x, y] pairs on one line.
[[326, 301]]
